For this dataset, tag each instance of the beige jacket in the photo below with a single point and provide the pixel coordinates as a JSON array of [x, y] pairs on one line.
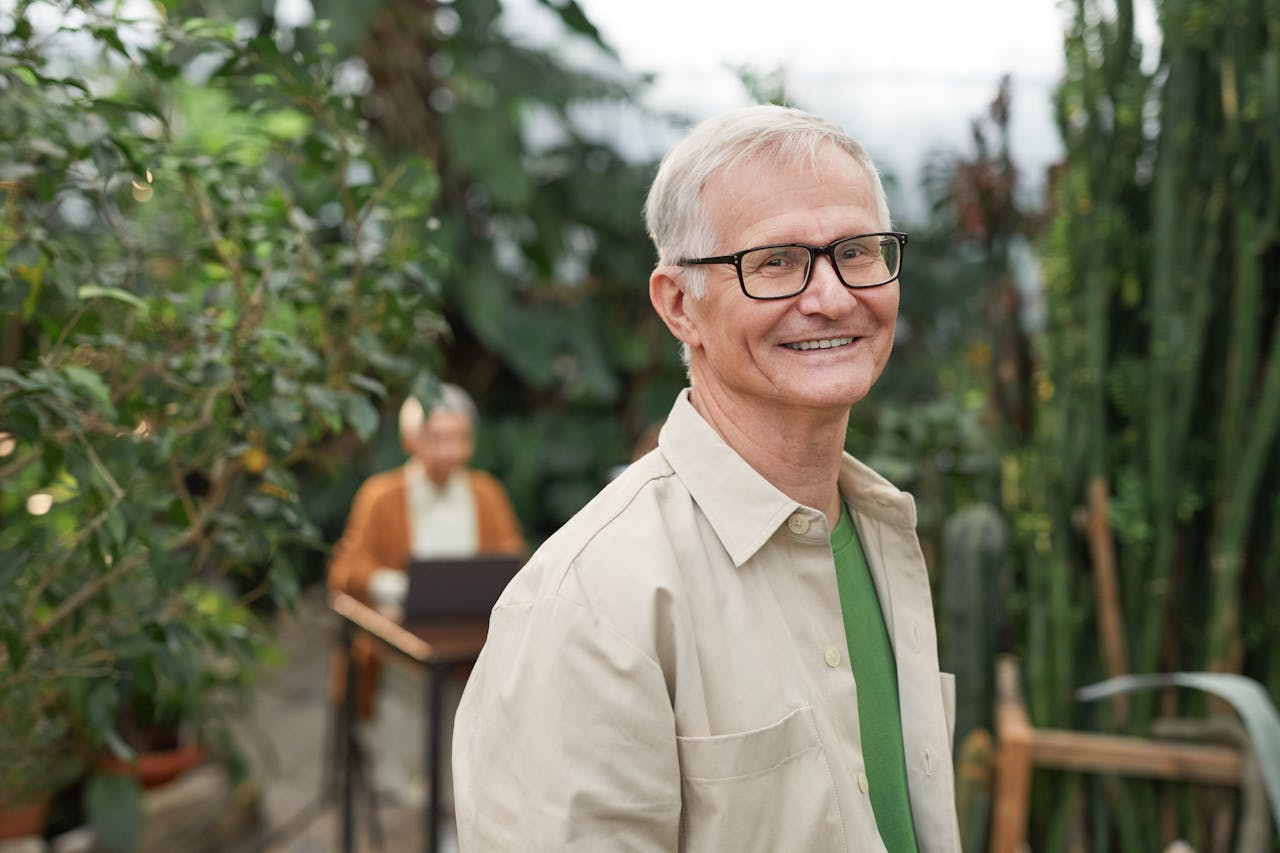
[[669, 672]]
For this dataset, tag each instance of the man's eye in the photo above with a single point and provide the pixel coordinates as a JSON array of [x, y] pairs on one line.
[[856, 249], [773, 262]]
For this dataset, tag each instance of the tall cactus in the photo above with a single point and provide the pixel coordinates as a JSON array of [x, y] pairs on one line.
[[972, 617]]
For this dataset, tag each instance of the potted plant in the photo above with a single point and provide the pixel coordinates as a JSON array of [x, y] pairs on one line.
[[39, 752], [207, 278], [176, 683]]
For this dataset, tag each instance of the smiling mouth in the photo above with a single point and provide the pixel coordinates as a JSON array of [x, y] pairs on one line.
[[823, 343]]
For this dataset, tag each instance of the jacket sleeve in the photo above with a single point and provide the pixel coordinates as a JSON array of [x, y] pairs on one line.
[[565, 738], [366, 544]]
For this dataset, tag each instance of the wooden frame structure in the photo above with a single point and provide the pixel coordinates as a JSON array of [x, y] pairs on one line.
[[1021, 747]]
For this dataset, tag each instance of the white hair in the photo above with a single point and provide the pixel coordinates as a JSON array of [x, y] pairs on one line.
[[450, 399], [779, 136]]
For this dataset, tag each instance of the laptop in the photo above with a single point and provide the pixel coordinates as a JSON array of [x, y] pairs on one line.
[[456, 587]]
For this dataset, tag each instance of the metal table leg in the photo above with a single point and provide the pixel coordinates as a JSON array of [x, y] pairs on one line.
[[347, 735], [435, 725]]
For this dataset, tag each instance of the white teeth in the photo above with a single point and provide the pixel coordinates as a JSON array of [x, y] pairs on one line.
[[825, 343]]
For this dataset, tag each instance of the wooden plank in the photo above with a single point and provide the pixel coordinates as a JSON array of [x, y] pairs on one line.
[[1014, 737], [1131, 756], [1102, 549], [452, 641]]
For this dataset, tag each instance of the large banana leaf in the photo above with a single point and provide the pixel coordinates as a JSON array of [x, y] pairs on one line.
[[1250, 700]]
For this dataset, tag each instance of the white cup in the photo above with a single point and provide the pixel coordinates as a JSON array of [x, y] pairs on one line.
[[387, 589]]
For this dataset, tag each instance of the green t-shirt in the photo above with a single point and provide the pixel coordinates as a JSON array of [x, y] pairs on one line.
[[875, 671]]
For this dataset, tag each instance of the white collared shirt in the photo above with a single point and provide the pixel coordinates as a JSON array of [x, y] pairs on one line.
[[669, 672], [442, 519]]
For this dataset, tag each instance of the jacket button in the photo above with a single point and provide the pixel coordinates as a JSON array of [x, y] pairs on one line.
[[798, 524], [832, 656], [863, 783]]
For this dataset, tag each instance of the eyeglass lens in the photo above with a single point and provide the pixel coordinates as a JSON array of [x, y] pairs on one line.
[[783, 270]]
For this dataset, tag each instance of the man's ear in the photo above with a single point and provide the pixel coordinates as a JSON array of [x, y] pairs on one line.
[[672, 303]]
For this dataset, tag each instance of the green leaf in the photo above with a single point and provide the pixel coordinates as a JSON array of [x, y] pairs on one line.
[[426, 388], [287, 124], [360, 414], [11, 636], [326, 404], [367, 383], [111, 37], [576, 19], [93, 291], [113, 803], [102, 704], [90, 383], [284, 586], [118, 746], [26, 75], [8, 374], [117, 527], [1247, 696], [23, 254]]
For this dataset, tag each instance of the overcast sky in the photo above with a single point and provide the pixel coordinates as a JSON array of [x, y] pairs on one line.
[[905, 77]]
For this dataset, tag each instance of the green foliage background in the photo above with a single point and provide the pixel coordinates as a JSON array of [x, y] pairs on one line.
[[230, 250], [210, 278], [1161, 363], [543, 293]]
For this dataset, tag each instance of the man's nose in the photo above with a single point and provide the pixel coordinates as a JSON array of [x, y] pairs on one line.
[[826, 294]]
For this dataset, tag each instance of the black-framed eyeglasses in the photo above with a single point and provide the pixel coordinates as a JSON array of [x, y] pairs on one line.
[[784, 269]]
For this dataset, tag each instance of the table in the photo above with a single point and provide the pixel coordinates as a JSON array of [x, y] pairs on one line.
[[434, 647]]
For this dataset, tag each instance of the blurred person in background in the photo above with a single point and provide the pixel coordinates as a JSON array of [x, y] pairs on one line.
[[432, 506], [732, 647]]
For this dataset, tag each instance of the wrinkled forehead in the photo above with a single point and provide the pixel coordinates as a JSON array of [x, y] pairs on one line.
[[803, 161], [725, 189]]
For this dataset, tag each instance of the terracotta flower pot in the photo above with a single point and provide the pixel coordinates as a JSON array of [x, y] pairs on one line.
[[23, 820], [156, 767]]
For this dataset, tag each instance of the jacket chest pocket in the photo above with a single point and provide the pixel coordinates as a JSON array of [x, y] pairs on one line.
[[767, 790]]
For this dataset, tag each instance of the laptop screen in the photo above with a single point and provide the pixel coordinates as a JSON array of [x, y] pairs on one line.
[[457, 587]]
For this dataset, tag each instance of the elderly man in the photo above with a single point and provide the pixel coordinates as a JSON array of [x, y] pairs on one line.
[[432, 506], [731, 648]]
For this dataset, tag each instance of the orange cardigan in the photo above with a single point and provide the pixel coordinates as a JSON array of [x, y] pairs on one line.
[[377, 536]]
